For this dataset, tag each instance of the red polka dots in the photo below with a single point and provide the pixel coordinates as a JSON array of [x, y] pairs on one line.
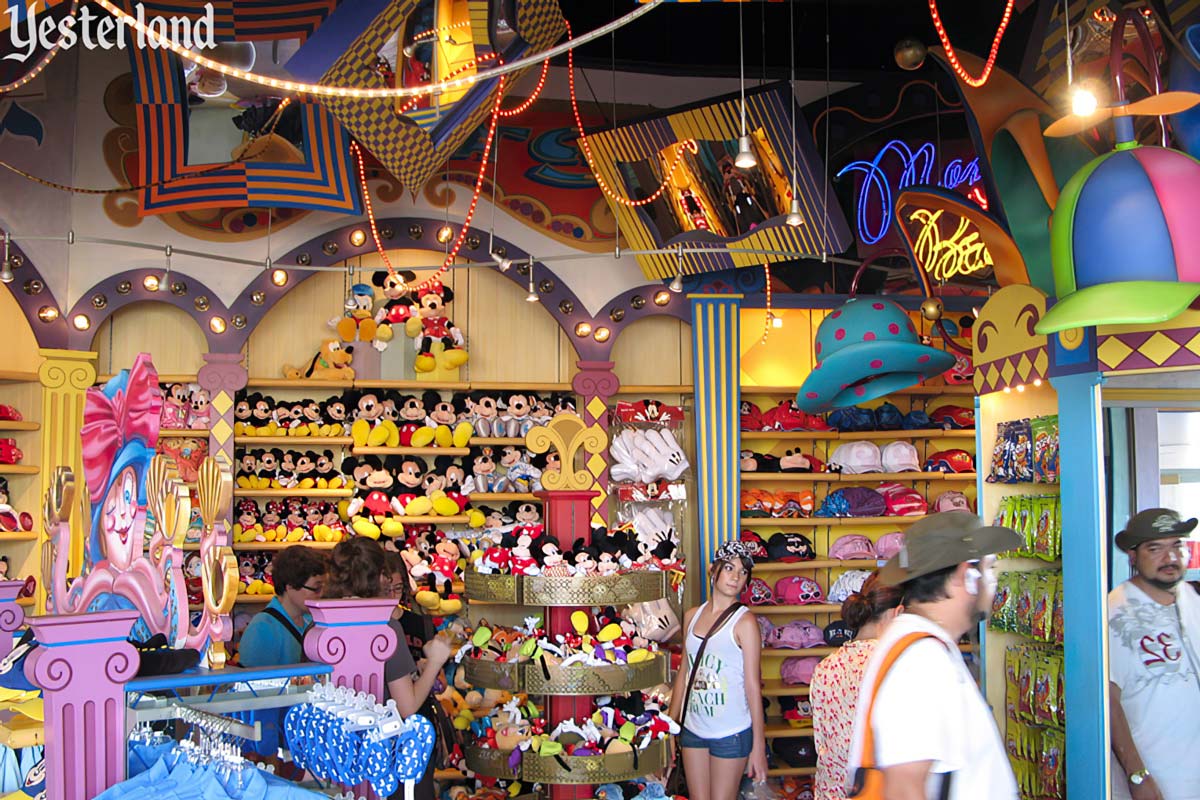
[[811, 395], [923, 359], [869, 336], [894, 329], [839, 334], [836, 314], [818, 348], [876, 364], [878, 306], [860, 390]]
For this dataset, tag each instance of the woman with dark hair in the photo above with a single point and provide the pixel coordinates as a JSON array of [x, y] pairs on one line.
[[833, 692], [357, 569], [723, 734]]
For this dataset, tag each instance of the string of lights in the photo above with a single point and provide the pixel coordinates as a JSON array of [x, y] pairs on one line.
[[432, 32], [472, 64], [529, 101], [322, 90], [42, 62], [770, 321], [366, 194], [953, 59], [687, 145]]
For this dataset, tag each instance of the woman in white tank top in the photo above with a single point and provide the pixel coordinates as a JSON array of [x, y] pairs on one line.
[[722, 737]]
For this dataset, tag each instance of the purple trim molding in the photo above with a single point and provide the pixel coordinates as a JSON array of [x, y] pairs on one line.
[[12, 616]]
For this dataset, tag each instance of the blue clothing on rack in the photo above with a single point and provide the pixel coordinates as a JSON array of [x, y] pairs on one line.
[[266, 642], [189, 781]]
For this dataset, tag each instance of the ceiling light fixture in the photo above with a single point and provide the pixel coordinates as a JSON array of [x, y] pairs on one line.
[[502, 262], [358, 237], [445, 234], [279, 277], [676, 284], [794, 217], [81, 322], [47, 313], [6, 273], [532, 297], [745, 157]]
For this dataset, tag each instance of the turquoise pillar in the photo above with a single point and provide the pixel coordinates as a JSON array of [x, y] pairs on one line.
[[716, 329], [1085, 546]]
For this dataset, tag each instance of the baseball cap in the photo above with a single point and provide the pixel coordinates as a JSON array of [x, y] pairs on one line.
[[950, 461], [796, 590], [856, 458], [943, 540], [790, 547], [797, 711], [797, 670], [864, 502], [758, 548], [953, 417], [758, 593], [900, 457], [902, 501], [847, 583], [889, 544], [852, 546], [837, 633], [888, 418], [952, 501], [797, 634], [917, 420], [796, 751], [1151, 524]]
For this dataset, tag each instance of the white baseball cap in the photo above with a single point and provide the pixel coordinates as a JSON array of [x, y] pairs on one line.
[[856, 458], [900, 457]]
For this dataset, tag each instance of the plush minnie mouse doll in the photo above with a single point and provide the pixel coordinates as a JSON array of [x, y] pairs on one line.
[[247, 528], [176, 401], [199, 412], [523, 562], [527, 517], [430, 325]]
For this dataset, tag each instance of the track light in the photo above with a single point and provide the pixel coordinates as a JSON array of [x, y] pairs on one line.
[[745, 157], [6, 273], [532, 297], [794, 217], [502, 262], [676, 284]]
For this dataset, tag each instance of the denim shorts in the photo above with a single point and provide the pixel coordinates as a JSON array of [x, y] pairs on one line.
[[736, 746]]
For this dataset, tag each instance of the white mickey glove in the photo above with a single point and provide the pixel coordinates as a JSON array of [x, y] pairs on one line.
[[670, 456]]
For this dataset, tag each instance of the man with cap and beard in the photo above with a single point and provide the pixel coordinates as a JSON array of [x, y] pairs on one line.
[[1154, 673], [921, 727]]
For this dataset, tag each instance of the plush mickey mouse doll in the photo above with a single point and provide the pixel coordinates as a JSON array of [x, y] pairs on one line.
[[371, 426], [397, 306], [375, 505], [432, 325]]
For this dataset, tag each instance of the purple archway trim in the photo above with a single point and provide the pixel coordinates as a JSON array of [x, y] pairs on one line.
[[48, 334], [138, 293]]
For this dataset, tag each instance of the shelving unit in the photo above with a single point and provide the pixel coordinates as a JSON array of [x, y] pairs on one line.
[[293, 492], [826, 522], [411, 451], [866, 477], [313, 441], [18, 469], [22, 390], [182, 433]]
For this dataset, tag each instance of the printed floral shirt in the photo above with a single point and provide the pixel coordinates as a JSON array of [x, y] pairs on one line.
[[834, 696]]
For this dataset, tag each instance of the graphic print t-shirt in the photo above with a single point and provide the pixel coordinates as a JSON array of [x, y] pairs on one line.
[[717, 706]]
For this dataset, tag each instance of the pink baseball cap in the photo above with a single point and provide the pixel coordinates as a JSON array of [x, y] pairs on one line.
[[857, 458], [797, 634], [903, 501], [758, 593], [798, 669], [796, 590], [952, 501], [852, 546], [889, 545]]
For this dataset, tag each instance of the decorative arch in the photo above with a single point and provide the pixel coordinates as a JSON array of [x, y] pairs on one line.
[[48, 334]]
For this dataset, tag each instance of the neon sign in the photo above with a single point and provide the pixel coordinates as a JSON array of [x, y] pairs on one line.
[[961, 253], [874, 202]]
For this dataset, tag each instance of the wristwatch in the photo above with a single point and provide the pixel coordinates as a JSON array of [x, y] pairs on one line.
[[1139, 777]]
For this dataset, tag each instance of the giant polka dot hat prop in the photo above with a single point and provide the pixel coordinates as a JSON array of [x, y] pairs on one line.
[[866, 349], [1124, 243]]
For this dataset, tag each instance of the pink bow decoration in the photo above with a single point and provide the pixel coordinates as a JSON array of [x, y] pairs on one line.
[[109, 423]]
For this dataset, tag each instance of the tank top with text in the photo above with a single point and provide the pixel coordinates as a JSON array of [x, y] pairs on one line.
[[717, 706]]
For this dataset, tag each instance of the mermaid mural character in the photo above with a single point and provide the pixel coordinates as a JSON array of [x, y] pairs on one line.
[[123, 475]]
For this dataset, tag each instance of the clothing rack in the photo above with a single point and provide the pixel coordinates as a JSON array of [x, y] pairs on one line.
[[216, 725]]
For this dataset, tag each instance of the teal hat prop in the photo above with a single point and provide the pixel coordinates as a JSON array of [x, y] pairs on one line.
[[866, 349]]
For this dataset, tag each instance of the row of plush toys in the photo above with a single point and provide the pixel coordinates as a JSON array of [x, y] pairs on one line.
[[395, 419], [523, 548], [185, 406]]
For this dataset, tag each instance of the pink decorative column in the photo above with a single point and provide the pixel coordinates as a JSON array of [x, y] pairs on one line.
[[353, 637], [567, 515], [222, 376], [12, 616], [595, 383], [82, 664]]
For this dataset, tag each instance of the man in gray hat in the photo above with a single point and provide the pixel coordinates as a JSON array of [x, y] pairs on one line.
[[928, 731], [1154, 673]]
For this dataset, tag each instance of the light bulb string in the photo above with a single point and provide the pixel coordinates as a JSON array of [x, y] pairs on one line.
[[366, 193], [46, 58], [687, 145], [770, 313], [432, 32], [966, 77]]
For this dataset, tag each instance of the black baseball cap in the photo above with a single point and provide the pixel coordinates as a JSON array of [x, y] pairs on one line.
[[837, 633]]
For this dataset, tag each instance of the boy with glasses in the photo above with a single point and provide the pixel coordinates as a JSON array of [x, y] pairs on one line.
[[1154, 675]]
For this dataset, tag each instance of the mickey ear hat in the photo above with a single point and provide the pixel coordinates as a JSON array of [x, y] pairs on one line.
[[868, 348]]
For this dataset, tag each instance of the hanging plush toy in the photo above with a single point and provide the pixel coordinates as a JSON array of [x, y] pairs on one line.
[[359, 322], [432, 325], [397, 306]]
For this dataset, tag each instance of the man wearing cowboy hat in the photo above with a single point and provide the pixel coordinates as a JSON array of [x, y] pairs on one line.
[[1154, 673], [933, 733]]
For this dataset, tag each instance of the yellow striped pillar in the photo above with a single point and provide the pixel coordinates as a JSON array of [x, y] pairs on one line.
[[716, 370], [65, 375]]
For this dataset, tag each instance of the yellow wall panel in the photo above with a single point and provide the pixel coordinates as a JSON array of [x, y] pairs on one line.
[[171, 337], [21, 348], [652, 351], [510, 339], [293, 329]]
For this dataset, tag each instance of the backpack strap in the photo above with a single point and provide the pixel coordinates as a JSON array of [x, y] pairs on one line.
[[286, 623], [902, 644]]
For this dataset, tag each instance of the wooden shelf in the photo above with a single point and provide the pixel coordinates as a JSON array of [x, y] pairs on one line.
[[22, 731], [412, 386], [788, 522], [411, 451], [790, 477], [18, 469], [315, 441], [854, 522], [298, 383], [812, 608], [280, 545], [874, 477], [682, 388], [18, 536], [866, 477], [801, 566], [922, 433], [505, 386], [782, 730], [803, 436], [774, 687], [783, 652], [783, 772], [483, 497], [913, 391], [458, 519], [182, 433], [17, 376], [293, 492], [495, 441], [162, 378], [14, 425]]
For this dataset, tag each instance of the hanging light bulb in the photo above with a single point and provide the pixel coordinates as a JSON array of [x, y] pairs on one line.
[[776, 321], [532, 297], [794, 217], [1083, 102], [6, 273], [349, 305], [745, 157], [502, 262], [676, 284]]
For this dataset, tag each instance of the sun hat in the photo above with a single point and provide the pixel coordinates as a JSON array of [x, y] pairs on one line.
[[857, 458], [852, 546], [1151, 524], [797, 590], [868, 348], [943, 540], [797, 670], [848, 583], [900, 457]]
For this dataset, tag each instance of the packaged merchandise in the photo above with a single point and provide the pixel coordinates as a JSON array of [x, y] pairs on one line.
[[1045, 449]]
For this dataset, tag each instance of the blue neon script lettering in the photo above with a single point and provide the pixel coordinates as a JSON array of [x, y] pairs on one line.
[[874, 202]]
